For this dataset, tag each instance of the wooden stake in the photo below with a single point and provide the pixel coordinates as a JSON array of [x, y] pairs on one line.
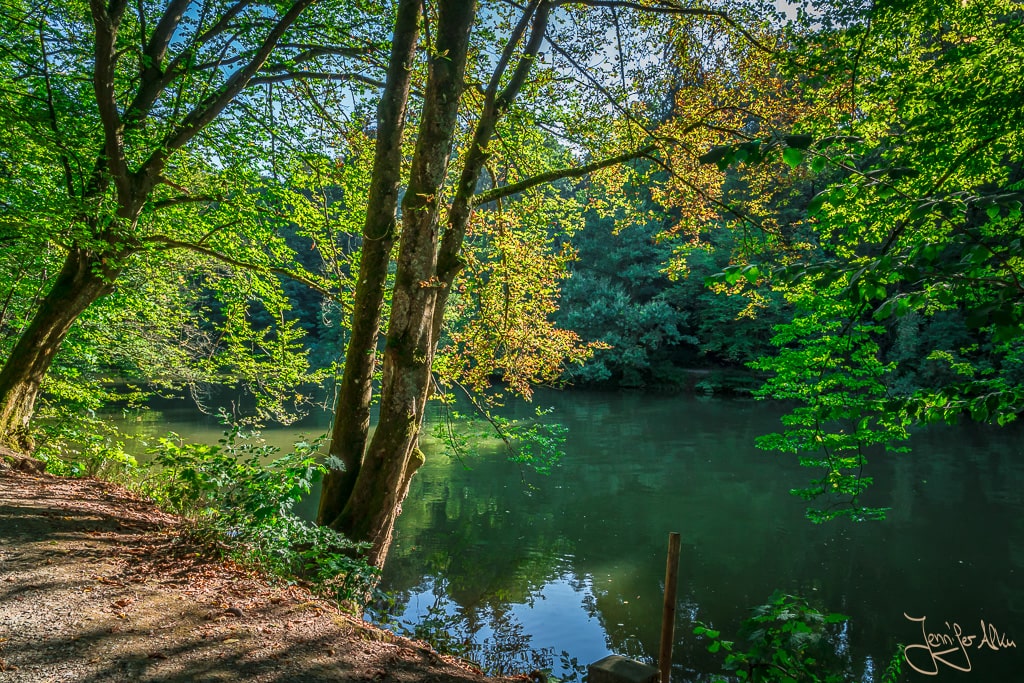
[[668, 614]]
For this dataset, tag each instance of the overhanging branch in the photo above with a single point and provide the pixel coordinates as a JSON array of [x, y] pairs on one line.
[[671, 8], [558, 174], [316, 75], [162, 243]]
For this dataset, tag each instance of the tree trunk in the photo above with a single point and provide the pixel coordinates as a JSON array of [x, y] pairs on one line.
[[355, 394], [392, 456], [81, 281]]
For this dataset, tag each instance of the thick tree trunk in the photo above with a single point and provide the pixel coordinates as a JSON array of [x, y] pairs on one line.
[[355, 394], [392, 456], [81, 281]]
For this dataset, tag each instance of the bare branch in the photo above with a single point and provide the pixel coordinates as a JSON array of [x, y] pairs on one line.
[[671, 8], [315, 75], [558, 174]]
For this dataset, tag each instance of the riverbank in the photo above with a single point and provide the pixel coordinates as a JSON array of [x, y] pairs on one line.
[[98, 585]]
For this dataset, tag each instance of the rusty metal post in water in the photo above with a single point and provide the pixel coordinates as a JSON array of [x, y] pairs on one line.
[[668, 614]]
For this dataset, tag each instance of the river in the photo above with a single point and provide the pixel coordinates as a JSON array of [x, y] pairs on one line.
[[520, 570]]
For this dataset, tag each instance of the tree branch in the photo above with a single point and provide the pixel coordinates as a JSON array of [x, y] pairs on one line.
[[312, 51], [506, 53], [106, 24], [530, 50], [51, 113], [449, 263], [558, 174], [156, 48], [185, 199], [612, 100], [671, 8], [152, 78], [210, 108], [223, 23], [162, 243], [315, 75]]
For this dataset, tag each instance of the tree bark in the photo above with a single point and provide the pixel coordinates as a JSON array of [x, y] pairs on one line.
[[389, 462], [82, 280], [355, 394]]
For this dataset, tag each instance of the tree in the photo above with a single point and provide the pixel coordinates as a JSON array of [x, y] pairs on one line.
[[161, 128], [121, 141], [917, 144], [363, 494]]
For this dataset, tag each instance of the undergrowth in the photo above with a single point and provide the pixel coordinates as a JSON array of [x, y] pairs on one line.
[[238, 497]]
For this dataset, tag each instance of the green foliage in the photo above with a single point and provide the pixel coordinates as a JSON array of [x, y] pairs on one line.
[[783, 641], [85, 447], [500, 321], [178, 185], [653, 328], [834, 373], [239, 498], [907, 285], [535, 442], [618, 296]]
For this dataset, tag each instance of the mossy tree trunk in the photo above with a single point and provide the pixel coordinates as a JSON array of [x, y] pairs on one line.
[[83, 279], [392, 457], [427, 266], [355, 393]]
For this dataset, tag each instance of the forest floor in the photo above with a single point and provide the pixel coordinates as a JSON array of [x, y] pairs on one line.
[[97, 585]]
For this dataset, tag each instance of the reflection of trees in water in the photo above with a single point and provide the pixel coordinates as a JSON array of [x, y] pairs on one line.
[[489, 635], [598, 525], [508, 650]]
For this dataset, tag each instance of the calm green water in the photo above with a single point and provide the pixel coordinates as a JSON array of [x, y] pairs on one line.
[[523, 570]]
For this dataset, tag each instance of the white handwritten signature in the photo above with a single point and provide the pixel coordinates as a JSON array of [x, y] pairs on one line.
[[951, 647]]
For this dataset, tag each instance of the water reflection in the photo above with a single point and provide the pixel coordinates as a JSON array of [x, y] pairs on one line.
[[580, 556], [518, 572]]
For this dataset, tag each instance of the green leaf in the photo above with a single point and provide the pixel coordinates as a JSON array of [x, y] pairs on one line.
[[792, 156], [921, 210], [817, 203]]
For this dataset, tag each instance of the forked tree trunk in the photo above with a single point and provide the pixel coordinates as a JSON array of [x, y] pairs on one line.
[[392, 456], [81, 281], [355, 394]]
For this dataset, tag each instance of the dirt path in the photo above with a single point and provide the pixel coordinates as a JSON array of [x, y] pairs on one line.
[[98, 586]]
